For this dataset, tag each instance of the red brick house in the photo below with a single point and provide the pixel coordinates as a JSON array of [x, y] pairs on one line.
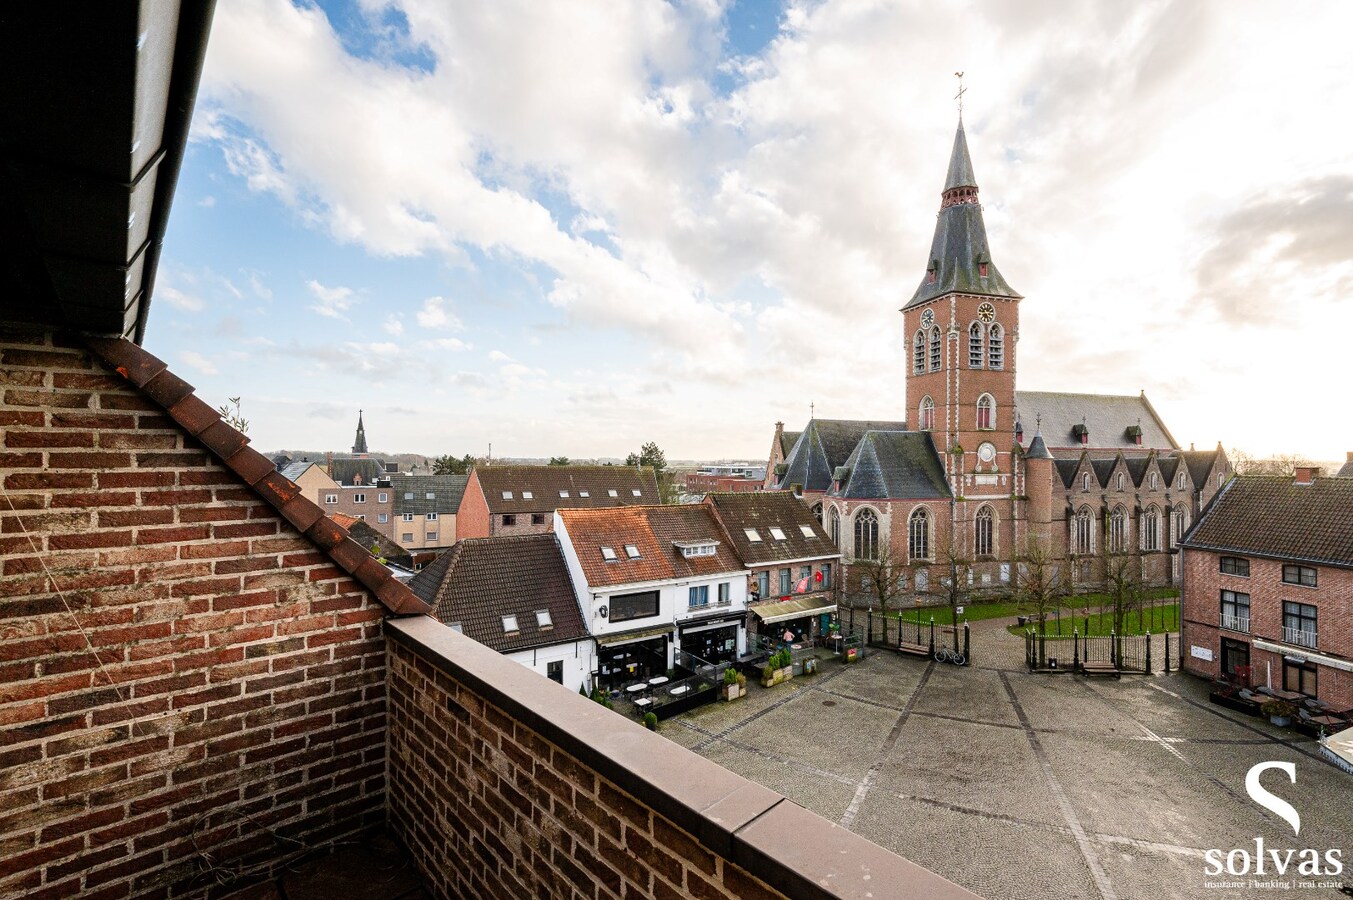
[[979, 469], [1268, 586], [522, 499]]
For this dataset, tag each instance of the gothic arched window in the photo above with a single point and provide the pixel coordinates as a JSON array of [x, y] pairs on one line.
[[936, 349], [866, 534], [982, 533], [996, 348], [1118, 530], [918, 535], [1150, 526], [918, 353], [1181, 525], [836, 527], [817, 512], [1083, 532], [986, 411], [975, 353], [927, 414]]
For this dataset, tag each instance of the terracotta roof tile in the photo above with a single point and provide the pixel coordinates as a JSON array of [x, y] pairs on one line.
[[545, 483], [478, 582], [176, 397], [763, 510], [652, 530], [1272, 515]]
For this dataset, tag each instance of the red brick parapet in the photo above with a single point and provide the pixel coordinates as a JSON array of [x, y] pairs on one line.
[[503, 783]]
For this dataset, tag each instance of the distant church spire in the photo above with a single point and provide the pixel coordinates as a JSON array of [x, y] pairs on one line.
[[359, 443], [960, 261]]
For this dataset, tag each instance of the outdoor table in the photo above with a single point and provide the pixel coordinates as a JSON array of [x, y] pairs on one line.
[[636, 688], [679, 690], [657, 680], [643, 701], [1289, 696]]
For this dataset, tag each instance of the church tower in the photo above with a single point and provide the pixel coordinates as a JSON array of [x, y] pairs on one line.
[[961, 326], [359, 442]]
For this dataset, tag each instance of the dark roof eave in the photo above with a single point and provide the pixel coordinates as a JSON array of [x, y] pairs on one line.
[[1262, 554]]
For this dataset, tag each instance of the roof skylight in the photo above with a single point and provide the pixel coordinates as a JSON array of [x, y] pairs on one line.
[[507, 495], [752, 535], [543, 619], [612, 493], [608, 554], [631, 551], [510, 624], [527, 495], [807, 530], [777, 533]]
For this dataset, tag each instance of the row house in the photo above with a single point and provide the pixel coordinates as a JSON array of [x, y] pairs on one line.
[[654, 582], [1268, 586], [522, 499], [795, 568], [514, 595], [423, 514]]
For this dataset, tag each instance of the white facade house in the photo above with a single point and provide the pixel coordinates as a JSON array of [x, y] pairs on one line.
[[653, 583]]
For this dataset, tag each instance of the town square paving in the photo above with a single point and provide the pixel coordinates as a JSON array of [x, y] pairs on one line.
[[1038, 786]]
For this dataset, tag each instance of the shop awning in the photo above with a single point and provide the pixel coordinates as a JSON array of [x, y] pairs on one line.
[[627, 637], [796, 608]]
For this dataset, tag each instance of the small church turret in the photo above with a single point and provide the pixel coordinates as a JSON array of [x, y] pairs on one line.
[[359, 443]]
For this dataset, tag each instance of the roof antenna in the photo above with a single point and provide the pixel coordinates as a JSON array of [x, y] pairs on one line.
[[959, 96]]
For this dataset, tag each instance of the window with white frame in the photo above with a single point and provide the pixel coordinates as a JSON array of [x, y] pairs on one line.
[[408, 517], [584, 494], [382, 498], [835, 518], [1085, 481], [608, 554], [1150, 526], [699, 595], [1181, 524], [1152, 481], [383, 518], [807, 530], [918, 535], [982, 537], [432, 536], [407, 537], [612, 493], [632, 551], [1118, 530], [752, 535], [1181, 481], [725, 593], [636, 492], [777, 533], [431, 517], [986, 411], [1083, 532], [507, 495], [430, 495], [528, 495], [866, 534], [330, 499], [509, 624], [543, 619], [563, 495], [927, 418]]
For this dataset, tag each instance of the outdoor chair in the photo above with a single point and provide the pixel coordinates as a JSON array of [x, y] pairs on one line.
[[1247, 694]]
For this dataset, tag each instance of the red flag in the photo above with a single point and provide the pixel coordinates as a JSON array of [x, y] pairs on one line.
[[802, 586]]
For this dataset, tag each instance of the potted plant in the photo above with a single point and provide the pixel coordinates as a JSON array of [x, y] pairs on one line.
[[1279, 712], [731, 689], [651, 721], [770, 675]]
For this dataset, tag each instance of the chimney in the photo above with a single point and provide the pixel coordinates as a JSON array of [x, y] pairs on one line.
[[1350, 456], [329, 463], [1307, 474]]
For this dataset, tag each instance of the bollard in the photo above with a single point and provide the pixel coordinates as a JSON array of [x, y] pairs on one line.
[[967, 651], [1076, 650], [1167, 653], [932, 637], [1148, 651]]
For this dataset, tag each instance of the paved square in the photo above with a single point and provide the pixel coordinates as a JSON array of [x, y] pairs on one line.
[[1019, 785]]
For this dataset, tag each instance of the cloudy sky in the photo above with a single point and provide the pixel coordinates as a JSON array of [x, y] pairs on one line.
[[571, 227]]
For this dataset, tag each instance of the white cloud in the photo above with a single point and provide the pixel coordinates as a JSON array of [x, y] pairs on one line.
[[436, 314], [261, 290], [333, 302], [199, 362], [763, 240], [207, 202], [393, 325], [455, 344], [179, 300]]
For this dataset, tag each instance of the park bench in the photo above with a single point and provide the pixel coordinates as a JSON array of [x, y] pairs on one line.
[[1100, 668], [910, 649]]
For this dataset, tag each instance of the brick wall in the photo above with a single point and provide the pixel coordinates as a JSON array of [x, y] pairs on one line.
[[232, 701], [472, 519], [551, 795], [1332, 597]]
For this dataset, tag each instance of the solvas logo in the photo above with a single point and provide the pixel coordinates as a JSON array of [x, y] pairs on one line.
[[1276, 862]]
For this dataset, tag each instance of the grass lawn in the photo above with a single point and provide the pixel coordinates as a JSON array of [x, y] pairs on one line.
[[972, 612], [1164, 617]]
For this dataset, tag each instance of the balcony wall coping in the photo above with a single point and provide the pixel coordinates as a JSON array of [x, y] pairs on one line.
[[794, 850]]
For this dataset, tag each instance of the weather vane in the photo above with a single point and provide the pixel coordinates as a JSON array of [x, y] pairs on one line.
[[961, 91]]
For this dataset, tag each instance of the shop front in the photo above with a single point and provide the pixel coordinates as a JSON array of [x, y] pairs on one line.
[[624, 659], [713, 641], [797, 620]]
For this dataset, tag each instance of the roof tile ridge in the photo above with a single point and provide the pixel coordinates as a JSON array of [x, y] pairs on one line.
[[152, 377]]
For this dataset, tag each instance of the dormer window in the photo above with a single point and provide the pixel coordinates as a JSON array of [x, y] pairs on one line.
[[982, 270], [777, 533], [631, 551], [1085, 481], [1120, 481], [510, 624], [608, 554], [691, 549], [752, 535], [1153, 481]]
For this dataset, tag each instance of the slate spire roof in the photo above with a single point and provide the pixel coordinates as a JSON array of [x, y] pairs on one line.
[[897, 465], [359, 443], [959, 254], [823, 445]]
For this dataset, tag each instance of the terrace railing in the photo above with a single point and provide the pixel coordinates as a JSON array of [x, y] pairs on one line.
[[1301, 637], [1235, 623]]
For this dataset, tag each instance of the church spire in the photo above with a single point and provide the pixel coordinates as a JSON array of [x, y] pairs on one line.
[[960, 261], [359, 443]]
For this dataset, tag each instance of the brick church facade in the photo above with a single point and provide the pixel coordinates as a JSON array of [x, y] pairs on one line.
[[981, 471]]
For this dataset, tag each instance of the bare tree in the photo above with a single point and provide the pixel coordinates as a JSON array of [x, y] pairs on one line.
[[880, 578], [1123, 585], [954, 588], [1243, 463], [1040, 584]]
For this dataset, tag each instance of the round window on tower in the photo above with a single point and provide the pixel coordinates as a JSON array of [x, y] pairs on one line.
[[986, 452]]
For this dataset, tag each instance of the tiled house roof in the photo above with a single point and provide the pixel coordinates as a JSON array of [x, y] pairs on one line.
[[1346, 471], [1272, 515], [479, 581], [153, 378], [899, 465], [1200, 463], [381, 546], [653, 531], [761, 511], [294, 470], [586, 486], [446, 491], [1108, 419], [345, 470]]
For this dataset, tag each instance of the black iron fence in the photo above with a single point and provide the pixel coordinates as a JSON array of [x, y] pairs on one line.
[[945, 643], [1139, 654]]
